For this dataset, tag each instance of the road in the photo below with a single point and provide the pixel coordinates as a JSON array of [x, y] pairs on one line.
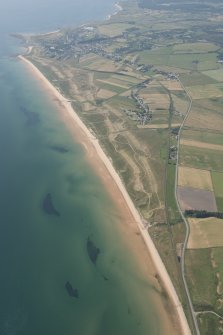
[[193, 314]]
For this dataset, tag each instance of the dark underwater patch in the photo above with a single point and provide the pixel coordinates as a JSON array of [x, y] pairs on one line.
[[32, 118], [73, 292], [48, 206], [93, 251], [59, 149]]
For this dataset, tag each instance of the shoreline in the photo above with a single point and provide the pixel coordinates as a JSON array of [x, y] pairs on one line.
[[151, 249]]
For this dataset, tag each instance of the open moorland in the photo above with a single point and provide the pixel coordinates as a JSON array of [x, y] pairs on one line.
[[148, 83]]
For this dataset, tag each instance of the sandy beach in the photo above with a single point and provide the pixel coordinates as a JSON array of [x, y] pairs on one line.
[[132, 227]]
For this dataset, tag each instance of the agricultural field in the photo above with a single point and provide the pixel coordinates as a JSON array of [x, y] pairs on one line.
[[201, 158], [195, 48], [205, 278], [205, 233], [202, 136], [217, 179], [215, 74], [205, 91], [197, 78], [203, 145], [113, 29], [191, 61], [197, 199], [195, 178]]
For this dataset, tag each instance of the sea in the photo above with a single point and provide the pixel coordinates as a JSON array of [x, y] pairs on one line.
[[64, 266]]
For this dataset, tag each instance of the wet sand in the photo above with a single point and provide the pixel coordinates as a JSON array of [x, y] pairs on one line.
[[149, 262]]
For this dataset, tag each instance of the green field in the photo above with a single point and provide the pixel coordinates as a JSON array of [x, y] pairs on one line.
[[201, 158], [217, 179], [109, 87], [200, 276], [184, 61], [202, 136], [210, 324], [172, 208], [205, 91], [215, 74], [199, 47], [196, 78]]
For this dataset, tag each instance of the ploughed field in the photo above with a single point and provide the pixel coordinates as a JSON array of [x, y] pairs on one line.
[[134, 79]]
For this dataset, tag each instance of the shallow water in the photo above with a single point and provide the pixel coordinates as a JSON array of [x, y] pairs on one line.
[[40, 252]]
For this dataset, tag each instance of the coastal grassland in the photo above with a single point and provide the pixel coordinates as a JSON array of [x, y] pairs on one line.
[[168, 240], [195, 178], [172, 209], [205, 233], [103, 84], [122, 102], [200, 158], [161, 237], [217, 179]]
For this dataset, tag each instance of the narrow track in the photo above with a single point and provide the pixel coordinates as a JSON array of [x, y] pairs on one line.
[[192, 312]]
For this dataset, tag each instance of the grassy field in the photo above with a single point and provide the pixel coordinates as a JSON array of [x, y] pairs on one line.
[[205, 91], [172, 208], [215, 74], [210, 324], [196, 78], [199, 144], [201, 118], [200, 276], [217, 179], [113, 29], [205, 233], [204, 136], [201, 158], [196, 178], [166, 57], [199, 47], [205, 278]]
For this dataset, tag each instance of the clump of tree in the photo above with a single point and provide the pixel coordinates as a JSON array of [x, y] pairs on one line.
[[193, 213]]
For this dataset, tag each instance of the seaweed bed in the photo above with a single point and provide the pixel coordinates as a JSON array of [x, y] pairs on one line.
[[73, 292], [32, 118], [48, 206], [59, 149], [93, 251]]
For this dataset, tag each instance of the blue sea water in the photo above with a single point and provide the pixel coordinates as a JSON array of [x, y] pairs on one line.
[[40, 253]]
